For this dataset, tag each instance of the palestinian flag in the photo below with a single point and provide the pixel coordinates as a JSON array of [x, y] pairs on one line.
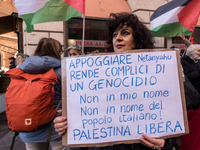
[[175, 17], [39, 11]]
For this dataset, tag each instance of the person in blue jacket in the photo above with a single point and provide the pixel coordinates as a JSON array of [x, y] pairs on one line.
[[46, 56]]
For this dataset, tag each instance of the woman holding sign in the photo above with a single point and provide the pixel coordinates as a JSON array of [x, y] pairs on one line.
[[126, 32]]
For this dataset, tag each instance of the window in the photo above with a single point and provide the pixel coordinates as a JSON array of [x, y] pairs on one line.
[[95, 33], [94, 29]]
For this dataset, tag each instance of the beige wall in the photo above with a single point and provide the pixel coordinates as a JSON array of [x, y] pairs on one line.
[[103, 8], [146, 4], [48, 30], [144, 9]]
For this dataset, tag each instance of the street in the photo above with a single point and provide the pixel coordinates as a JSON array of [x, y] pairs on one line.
[[6, 136]]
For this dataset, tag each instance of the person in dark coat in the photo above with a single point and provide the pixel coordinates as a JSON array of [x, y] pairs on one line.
[[191, 65], [12, 62]]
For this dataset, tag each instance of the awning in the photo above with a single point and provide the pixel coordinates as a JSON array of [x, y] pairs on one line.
[[8, 23]]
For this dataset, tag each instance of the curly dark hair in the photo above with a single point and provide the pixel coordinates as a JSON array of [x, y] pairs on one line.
[[143, 37]]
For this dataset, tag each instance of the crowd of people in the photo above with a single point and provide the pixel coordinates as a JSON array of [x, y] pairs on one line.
[[126, 32], [14, 62]]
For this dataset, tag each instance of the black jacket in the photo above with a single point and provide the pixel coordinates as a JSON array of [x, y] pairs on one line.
[[192, 97], [12, 65], [191, 71]]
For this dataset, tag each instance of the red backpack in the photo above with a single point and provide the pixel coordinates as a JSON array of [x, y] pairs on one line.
[[29, 99]]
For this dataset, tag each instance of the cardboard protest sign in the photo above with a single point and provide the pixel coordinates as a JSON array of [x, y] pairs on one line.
[[114, 98]]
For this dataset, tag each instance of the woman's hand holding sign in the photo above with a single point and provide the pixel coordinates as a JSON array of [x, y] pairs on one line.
[[152, 142], [60, 124]]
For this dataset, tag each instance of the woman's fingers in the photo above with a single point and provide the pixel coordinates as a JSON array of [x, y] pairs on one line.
[[61, 130], [59, 111], [61, 133], [146, 143], [60, 124], [59, 119], [152, 142]]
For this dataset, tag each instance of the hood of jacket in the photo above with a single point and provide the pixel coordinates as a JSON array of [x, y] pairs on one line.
[[37, 64]]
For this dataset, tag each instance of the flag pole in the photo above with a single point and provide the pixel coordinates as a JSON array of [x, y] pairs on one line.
[[83, 37]]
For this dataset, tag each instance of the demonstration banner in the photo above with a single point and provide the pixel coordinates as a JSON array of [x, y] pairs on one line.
[[114, 98]]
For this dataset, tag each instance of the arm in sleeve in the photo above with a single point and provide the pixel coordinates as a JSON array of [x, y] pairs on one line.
[[187, 42], [37, 64]]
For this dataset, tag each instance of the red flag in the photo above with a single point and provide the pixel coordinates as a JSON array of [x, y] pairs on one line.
[[77, 4], [189, 15]]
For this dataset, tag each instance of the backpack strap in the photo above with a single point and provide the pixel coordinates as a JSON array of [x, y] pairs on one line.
[[50, 128], [13, 140]]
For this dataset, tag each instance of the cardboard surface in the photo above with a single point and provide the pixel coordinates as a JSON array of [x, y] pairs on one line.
[[113, 98]]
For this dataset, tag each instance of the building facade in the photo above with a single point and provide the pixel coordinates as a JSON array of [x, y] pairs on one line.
[[8, 34], [96, 13]]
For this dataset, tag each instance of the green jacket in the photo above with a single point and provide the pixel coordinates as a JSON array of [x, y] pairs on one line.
[[187, 42]]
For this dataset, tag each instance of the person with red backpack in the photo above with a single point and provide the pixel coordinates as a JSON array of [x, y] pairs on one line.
[[46, 57]]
